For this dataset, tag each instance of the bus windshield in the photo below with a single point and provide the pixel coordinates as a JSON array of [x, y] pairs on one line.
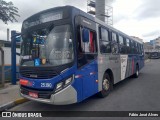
[[47, 47]]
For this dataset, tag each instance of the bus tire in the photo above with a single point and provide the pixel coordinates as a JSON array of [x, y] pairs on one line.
[[106, 86], [136, 75]]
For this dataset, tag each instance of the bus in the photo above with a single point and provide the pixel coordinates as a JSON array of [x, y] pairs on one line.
[[68, 55], [154, 55]]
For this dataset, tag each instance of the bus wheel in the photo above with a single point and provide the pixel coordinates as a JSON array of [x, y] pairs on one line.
[[106, 86], [136, 75]]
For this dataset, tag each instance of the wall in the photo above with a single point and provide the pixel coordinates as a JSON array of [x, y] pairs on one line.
[[7, 62]]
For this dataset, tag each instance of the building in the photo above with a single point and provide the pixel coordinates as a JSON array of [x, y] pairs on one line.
[[147, 47], [6, 46], [157, 43], [152, 46], [137, 38], [101, 9]]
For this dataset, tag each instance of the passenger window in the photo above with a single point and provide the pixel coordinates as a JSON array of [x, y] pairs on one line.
[[124, 47], [121, 40], [121, 45], [114, 37], [132, 47], [104, 34], [128, 46], [87, 46], [142, 51], [104, 41], [87, 41], [114, 44], [136, 47], [127, 42]]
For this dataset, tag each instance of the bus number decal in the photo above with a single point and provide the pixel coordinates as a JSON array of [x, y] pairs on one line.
[[46, 85]]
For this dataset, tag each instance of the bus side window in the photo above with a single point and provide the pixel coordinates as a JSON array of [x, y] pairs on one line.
[[128, 46], [139, 48], [142, 51], [136, 47], [87, 47], [114, 43], [104, 41], [121, 45], [125, 46], [132, 47], [114, 37]]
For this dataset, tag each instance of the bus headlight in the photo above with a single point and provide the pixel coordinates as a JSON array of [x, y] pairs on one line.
[[63, 84], [68, 81], [59, 86]]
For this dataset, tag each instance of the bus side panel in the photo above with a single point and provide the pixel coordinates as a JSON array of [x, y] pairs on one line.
[[102, 67], [132, 61], [141, 61], [85, 80], [77, 84], [109, 62], [131, 65], [124, 66]]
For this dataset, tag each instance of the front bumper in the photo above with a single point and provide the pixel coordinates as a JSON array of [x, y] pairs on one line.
[[66, 96]]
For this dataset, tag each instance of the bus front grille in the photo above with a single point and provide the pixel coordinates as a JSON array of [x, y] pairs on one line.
[[45, 94], [36, 73]]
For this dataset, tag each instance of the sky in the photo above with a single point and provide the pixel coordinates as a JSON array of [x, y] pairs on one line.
[[140, 18]]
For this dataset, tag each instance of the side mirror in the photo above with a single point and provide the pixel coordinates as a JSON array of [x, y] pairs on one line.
[[85, 35]]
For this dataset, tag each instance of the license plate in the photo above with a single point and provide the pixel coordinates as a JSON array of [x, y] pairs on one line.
[[34, 95]]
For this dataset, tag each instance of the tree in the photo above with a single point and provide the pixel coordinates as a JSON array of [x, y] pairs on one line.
[[8, 12]]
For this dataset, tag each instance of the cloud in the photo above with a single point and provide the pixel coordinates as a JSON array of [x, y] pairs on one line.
[[77, 3], [12, 26], [155, 32], [118, 18], [30, 7], [148, 9], [136, 18], [124, 10]]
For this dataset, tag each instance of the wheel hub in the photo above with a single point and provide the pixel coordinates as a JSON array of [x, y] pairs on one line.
[[106, 84]]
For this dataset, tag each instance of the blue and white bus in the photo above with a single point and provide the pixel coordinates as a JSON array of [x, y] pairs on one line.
[[67, 56]]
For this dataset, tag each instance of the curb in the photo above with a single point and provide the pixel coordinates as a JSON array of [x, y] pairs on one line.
[[12, 104]]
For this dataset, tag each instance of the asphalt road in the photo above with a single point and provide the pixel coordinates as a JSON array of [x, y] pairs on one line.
[[141, 94]]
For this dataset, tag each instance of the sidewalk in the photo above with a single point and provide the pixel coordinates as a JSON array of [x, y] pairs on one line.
[[9, 96]]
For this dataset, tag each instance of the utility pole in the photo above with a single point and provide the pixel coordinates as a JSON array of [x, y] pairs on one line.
[[13, 56], [2, 60], [14, 35]]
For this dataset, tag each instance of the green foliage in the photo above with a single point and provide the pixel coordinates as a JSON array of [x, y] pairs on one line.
[[8, 11]]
